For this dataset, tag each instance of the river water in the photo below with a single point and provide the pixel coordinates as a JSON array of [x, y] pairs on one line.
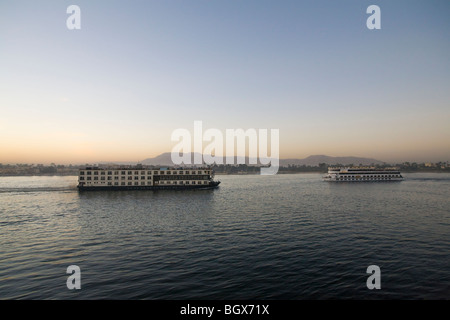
[[288, 236]]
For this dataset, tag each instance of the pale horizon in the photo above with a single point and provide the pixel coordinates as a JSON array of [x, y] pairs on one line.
[[141, 159], [116, 89]]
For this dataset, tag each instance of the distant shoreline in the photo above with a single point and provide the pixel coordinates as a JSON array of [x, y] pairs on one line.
[[217, 173]]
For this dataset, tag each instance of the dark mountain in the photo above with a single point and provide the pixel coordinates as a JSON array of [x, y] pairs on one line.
[[166, 160], [163, 159], [317, 159]]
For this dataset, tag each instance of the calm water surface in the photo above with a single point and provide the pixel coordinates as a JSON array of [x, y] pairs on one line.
[[256, 237]]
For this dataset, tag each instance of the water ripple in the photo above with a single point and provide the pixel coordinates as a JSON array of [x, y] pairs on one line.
[[287, 237]]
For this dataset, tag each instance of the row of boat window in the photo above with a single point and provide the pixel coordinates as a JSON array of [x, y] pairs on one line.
[[141, 172], [185, 177], [115, 178], [361, 173], [369, 177], [162, 182], [383, 176]]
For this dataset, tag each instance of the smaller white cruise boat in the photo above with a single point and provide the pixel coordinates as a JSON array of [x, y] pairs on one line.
[[362, 174]]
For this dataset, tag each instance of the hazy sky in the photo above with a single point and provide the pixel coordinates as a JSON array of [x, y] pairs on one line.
[[137, 70]]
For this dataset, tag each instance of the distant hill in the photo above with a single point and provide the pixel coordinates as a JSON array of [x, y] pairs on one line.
[[317, 159], [165, 159]]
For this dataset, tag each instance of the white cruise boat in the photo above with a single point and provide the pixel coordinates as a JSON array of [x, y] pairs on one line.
[[145, 178], [362, 174]]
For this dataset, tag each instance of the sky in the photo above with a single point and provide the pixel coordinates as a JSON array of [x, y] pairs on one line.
[[117, 88]]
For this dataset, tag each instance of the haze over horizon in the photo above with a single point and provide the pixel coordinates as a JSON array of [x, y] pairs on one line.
[[283, 161], [117, 88]]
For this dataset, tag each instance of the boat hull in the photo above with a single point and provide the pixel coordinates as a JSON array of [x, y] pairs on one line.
[[368, 180], [212, 185]]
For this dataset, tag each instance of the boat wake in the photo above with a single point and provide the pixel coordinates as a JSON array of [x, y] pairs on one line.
[[39, 189]]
